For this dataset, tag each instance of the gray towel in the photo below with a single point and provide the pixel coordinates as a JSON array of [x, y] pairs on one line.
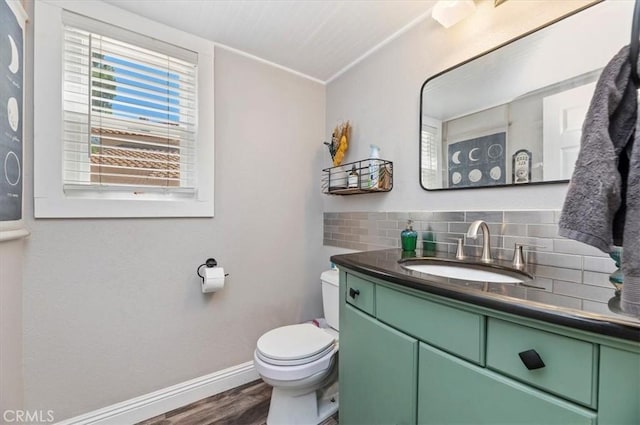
[[595, 191], [602, 205], [630, 301]]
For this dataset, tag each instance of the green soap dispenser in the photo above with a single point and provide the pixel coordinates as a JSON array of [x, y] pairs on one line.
[[428, 242], [409, 238]]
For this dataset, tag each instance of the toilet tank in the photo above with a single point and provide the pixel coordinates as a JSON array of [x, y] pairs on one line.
[[330, 296]]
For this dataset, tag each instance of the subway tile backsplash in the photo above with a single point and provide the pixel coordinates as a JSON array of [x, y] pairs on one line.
[[563, 263], [538, 228]]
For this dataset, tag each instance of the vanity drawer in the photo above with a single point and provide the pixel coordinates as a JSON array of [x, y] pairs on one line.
[[360, 293], [456, 331], [569, 364]]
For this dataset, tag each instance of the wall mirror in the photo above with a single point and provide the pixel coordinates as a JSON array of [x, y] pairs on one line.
[[514, 115]]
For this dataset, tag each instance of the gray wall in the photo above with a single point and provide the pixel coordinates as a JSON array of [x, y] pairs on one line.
[[113, 308], [10, 325]]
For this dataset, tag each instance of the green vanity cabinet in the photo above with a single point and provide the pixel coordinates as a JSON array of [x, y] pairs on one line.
[[411, 357], [380, 368]]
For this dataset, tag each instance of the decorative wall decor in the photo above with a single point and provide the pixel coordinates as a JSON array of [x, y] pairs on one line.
[[521, 167], [477, 162], [12, 21]]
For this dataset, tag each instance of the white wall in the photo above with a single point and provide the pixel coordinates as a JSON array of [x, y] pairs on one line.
[[381, 97], [113, 308]]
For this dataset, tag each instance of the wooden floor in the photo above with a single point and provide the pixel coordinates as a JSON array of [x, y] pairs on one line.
[[244, 405]]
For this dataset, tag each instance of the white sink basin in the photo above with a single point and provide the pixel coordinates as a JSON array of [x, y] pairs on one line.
[[464, 273]]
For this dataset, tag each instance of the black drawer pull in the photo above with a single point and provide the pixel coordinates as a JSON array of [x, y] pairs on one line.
[[531, 359], [353, 293]]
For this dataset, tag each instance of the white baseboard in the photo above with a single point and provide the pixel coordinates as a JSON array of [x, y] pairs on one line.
[[161, 401]]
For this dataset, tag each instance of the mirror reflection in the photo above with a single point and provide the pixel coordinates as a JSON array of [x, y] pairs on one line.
[[514, 115]]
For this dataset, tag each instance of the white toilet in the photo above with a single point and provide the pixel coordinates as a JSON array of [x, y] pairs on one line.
[[301, 363]]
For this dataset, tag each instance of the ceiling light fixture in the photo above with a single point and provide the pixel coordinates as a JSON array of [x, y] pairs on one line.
[[450, 12]]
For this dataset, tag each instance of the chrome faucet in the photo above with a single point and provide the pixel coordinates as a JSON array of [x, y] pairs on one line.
[[486, 246]]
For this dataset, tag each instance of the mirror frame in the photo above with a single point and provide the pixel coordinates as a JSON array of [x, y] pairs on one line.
[[521, 36]]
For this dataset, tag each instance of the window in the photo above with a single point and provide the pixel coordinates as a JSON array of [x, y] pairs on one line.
[[130, 141], [430, 145], [129, 115]]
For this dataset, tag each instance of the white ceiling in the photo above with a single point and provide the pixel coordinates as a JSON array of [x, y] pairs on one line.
[[317, 38]]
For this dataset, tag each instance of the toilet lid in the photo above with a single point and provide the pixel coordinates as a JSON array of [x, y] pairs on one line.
[[294, 342]]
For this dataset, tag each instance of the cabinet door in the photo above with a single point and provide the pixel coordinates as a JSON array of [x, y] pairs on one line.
[[378, 372], [619, 387], [452, 391]]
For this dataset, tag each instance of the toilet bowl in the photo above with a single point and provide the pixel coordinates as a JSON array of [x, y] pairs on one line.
[[300, 363]]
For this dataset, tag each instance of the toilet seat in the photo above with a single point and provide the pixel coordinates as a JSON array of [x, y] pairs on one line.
[[292, 373], [294, 345], [294, 362]]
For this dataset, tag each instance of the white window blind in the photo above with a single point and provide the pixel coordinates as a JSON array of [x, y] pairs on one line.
[[129, 111], [429, 156]]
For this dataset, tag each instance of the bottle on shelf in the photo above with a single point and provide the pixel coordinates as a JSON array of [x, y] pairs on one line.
[[354, 177], [374, 167]]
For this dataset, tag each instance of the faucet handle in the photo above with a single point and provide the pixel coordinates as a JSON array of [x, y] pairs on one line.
[[460, 250], [518, 261], [518, 257]]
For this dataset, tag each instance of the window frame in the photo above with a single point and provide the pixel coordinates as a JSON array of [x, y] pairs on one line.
[[50, 198]]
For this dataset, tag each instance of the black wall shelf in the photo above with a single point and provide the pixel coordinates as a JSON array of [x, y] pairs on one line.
[[374, 175]]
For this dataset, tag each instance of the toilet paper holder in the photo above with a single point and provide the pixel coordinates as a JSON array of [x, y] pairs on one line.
[[211, 262]]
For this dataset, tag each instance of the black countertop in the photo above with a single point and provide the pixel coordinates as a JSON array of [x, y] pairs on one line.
[[511, 298]]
